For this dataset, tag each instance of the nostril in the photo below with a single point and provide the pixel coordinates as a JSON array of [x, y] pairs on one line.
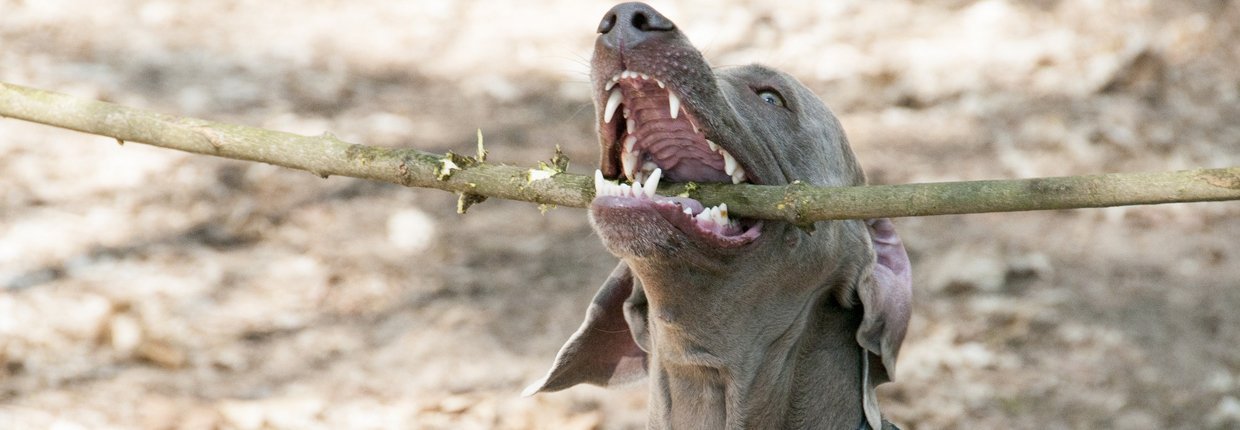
[[608, 22], [641, 22], [645, 22]]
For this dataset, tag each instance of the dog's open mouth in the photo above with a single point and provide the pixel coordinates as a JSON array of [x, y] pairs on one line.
[[648, 135]]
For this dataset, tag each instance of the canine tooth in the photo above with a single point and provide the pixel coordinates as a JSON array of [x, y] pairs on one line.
[[613, 101], [598, 182], [729, 163], [674, 103], [609, 84], [652, 182], [713, 147], [738, 176], [628, 160], [628, 157]]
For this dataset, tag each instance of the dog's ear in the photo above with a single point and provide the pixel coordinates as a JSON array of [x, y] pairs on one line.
[[887, 298], [601, 352]]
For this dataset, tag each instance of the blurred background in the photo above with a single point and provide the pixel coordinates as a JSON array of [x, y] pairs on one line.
[[147, 288]]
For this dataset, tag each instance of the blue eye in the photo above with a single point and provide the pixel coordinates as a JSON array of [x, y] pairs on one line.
[[771, 97]]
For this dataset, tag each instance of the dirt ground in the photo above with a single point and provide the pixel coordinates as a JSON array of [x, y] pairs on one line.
[[146, 288]]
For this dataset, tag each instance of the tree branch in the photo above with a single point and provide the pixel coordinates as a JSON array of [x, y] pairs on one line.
[[800, 203]]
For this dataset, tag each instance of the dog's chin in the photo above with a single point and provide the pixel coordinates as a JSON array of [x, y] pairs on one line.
[[660, 228]]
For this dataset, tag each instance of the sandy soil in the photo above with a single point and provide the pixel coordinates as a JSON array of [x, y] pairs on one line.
[[144, 288]]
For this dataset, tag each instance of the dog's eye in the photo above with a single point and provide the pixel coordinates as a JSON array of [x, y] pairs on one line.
[[771, 97]]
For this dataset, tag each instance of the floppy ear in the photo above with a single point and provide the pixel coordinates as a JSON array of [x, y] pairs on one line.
[[601, 352], [887, 298]]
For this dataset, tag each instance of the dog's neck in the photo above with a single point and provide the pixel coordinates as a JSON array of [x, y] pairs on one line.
[[807, 374]]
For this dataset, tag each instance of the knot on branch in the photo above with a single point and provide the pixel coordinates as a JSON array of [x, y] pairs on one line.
[[453, 161], [559, 164]]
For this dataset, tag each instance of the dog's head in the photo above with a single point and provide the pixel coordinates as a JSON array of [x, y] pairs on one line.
[[710, 284]]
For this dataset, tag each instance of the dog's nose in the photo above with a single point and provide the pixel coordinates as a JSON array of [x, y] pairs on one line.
[[630, 24]]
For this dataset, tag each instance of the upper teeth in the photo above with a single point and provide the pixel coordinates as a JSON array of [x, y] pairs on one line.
[[614, 96], [673, 103], [613, 101]]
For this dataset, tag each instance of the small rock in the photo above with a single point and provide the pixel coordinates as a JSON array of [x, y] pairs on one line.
[[124, 333], [455, 404], [162, 354], [592, 420], [411, 230], [1226, 414], [966, 270], [1035, 265], [242, 415]]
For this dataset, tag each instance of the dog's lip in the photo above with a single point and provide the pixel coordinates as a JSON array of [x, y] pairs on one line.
[[670, 211], [638, 208]]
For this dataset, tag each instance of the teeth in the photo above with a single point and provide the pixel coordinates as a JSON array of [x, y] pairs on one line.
[[729, 163], [644, 76], [674, 103], [660, 83], [712, 145], [630, 125], [711, 218], [738, 176], [628, 160], [603, 187], [610, 84], [649, 166], [613, 101], [628, 157], [652, 182]]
